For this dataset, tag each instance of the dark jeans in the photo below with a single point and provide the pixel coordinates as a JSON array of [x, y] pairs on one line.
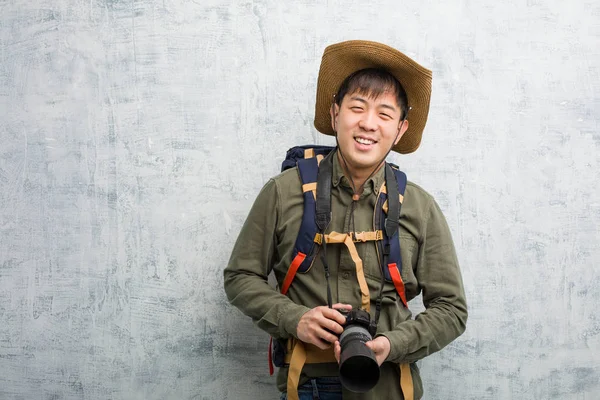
[[327, 388]]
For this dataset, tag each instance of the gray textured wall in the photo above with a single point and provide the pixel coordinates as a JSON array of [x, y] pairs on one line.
[[135, 134]]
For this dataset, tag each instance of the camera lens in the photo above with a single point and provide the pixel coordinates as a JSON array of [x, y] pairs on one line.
[[359, 371]]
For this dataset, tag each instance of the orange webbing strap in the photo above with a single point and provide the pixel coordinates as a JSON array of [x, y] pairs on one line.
[[298, 354], [287, 281], [385, 204], [398, 283], [310, 153], [406, 382], [314, 355], [296, 364], [289, 276], [310, 186], [384, 190], [356, 237], [335, 237]]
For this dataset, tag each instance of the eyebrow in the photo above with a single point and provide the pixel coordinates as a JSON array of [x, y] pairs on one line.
[[384, 105]]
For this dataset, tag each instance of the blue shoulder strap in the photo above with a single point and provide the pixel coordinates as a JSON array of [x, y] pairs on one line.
[[389, 248], [305, 158], [389, 222], [308, 169]]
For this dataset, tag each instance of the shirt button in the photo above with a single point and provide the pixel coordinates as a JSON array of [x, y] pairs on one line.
[[346, 275]]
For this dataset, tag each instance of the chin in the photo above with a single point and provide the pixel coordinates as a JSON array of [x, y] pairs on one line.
[[362, 163]]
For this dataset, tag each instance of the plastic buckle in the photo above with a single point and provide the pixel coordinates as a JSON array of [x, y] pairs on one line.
[[318, 238], [358, 236]]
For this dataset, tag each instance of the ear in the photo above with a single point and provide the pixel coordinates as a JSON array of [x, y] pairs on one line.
[[334, 111], [402, 128]]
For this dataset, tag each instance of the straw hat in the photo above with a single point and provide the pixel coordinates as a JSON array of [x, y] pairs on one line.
[[342, 59]]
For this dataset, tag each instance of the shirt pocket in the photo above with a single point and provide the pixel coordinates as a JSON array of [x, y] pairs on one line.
[[409, 250]]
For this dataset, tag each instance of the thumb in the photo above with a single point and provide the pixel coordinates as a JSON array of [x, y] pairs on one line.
[[374, 345]]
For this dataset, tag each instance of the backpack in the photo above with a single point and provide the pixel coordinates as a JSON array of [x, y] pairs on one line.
[[307, 159]]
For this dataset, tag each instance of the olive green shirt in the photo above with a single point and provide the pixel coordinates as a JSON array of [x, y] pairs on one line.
[[429, 265]]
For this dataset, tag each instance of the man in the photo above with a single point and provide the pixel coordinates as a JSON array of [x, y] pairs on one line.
[[374, 99]]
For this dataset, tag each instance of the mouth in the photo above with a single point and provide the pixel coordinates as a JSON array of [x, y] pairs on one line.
[[364, 141]]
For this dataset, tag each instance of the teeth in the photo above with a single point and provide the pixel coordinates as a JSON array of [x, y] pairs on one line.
[[364, 141]]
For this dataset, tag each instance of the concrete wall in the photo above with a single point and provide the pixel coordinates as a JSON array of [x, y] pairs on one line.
[[135, 134]]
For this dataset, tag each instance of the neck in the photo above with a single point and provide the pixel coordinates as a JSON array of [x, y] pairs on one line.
[[358, 176]]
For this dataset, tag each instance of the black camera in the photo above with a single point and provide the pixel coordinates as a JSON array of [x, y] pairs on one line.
[[359, 371]]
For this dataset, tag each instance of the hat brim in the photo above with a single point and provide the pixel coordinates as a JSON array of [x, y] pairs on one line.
[[342, 59]]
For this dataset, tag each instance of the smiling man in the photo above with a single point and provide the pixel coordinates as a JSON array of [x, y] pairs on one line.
[[350, 242], [369, 116]]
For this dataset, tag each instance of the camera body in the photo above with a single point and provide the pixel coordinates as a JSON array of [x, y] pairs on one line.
[[359, 318]]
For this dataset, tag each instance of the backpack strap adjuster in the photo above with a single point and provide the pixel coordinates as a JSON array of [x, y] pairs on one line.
[[367, 236]]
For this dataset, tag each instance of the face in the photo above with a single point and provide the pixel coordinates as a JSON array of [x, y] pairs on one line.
[[367, 128]]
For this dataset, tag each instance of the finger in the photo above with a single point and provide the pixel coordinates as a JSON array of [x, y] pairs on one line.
[[333, 326], [372, 345], [379, 348], [335, 315], [326, 336], [321, 344], [337, 349], [375, 345], [316, 340], [341, 306], [318, 336]]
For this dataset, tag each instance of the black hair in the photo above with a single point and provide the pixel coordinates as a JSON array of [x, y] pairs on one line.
[[373, 82]]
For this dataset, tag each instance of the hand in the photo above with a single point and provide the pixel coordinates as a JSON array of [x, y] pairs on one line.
[[320, 325], [380, 346]]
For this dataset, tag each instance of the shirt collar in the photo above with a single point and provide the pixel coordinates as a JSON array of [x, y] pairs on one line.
[[373, 183]]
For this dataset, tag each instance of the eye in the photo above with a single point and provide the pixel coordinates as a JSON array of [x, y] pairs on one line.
[[356, 108], [386, 116]]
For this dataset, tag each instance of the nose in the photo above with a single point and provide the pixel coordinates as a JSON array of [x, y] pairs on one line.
[[368, 121]]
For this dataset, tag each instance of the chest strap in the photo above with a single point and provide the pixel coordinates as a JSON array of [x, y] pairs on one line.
[[345, 238], [356, 237]]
